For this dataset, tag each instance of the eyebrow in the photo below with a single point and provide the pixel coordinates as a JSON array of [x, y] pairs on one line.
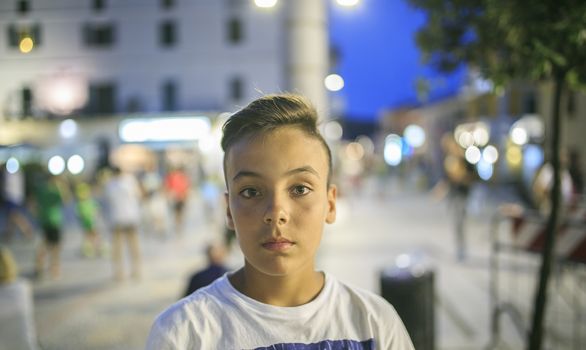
[[303, 169]]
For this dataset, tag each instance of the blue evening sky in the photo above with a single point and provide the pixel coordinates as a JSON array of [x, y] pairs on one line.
[[379, 59]]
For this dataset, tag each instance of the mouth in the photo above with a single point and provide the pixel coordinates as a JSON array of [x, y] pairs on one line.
[[278, 245]]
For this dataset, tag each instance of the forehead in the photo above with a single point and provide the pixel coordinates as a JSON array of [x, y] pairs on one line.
[[282, 149]]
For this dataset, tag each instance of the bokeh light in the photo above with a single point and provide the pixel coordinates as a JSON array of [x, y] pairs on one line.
[[12, 165], [393, 154], [348, 3], [472, 154], [333, 130], [414, 135], [484, 169], [354, 151], [490, 154], [519, 136], [75, 164], [26, 45], [334, 82], [56, 165], [265, 3], [68, 128]]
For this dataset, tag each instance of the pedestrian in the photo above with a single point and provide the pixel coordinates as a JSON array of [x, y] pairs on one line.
[[18, 329], [277, 168], [13, 202], [177, 185], [122, 193], [50, 195], [216, 256], [87, 211]]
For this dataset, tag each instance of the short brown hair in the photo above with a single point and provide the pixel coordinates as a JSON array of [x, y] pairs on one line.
[[272, 112]]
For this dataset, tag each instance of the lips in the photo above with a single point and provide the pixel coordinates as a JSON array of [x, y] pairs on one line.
[[278, 245]]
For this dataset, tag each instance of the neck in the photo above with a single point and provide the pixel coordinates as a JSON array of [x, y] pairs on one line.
[[289, 290]]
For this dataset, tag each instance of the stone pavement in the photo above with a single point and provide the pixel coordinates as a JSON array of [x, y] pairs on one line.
[[86, 309]]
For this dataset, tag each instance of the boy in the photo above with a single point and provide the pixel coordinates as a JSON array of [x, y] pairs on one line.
[[277, 169]]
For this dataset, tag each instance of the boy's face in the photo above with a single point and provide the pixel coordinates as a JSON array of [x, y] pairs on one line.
[[278, 200]]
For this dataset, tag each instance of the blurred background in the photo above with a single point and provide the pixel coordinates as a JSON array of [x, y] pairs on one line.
[[444, 168]]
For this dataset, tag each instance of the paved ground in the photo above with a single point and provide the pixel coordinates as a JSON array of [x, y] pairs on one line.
[[85, 309]]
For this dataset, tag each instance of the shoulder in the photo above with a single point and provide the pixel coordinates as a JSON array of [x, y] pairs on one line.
[[191, 319], [376, 313], [362, 298]]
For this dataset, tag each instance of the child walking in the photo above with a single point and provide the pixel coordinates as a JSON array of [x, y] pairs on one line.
[[277, 169]]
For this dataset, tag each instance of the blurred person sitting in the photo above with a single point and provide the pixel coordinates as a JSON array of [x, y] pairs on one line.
[[16, 307], [123, 195], [216, 256]]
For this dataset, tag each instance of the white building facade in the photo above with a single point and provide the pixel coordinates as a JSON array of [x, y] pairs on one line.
[[113, 57]]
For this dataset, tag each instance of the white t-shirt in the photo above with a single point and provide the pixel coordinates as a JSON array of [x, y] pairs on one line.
[[220, 317], [123, 195]]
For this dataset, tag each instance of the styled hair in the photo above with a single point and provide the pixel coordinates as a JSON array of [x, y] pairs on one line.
[[270, 113], [8, 268]]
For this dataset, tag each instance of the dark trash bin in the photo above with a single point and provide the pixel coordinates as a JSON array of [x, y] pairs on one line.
[[410, 289]]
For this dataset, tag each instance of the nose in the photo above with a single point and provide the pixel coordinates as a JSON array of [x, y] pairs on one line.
[[276, 211]]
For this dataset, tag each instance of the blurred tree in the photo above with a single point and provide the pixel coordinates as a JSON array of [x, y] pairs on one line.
[[514, 39]]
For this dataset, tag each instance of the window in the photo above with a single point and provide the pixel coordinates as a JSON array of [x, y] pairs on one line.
[[98, 5], [235, 31], [102, 99], [169, 96], [571, 106], [530, 103], [24, 37], [167, 4], [23, 7], [167, 34], [99, 35], [236, 91], [27, 102]]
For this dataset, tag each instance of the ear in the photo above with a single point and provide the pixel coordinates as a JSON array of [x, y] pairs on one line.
[[331, 213], [229, 220]]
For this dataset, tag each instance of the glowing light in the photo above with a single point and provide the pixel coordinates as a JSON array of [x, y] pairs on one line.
[[472, 154], [366, 143], [514, 156], [403, 261], [164, 129], [465, 139], [354, 151], [333, 130], [334, 82], [490, 154], [61, 93], [414, 135], [481, 136], [75, 164], [484, 169], [533, 156], [519, 136], [68, 128], [12, 165], [392, 153], [26, 45], [56, 165], [348, 3], [265, 3]]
